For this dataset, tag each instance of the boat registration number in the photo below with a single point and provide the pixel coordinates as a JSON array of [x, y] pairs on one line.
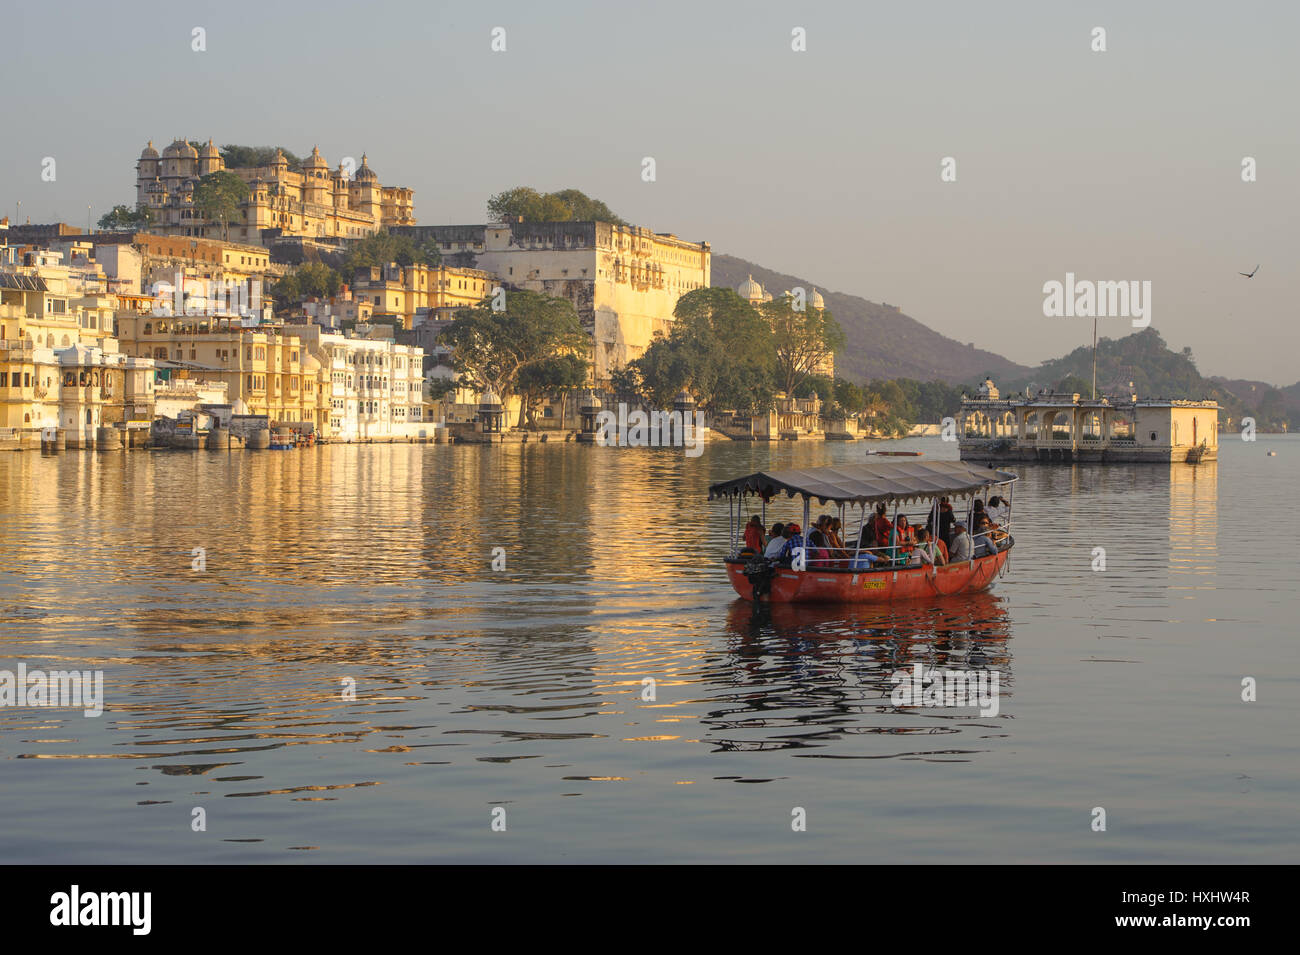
[[873, 585]]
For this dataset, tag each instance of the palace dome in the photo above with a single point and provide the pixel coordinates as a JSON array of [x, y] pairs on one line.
[[149, 152], [365, 173], [210, 151], [180, 149], [750, 290], [315, 160]]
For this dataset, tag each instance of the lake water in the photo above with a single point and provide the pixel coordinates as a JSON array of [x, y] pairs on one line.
[[521, 689]]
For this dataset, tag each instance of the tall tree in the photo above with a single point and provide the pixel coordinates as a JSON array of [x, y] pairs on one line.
[[491, 349], [720, 350], [557, 375], [803, 339], [217, 197]]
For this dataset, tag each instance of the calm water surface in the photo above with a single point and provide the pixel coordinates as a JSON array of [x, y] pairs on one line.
[[523, 688]]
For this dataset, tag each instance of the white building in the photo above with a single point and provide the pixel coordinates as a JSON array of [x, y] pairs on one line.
[[375, 389]]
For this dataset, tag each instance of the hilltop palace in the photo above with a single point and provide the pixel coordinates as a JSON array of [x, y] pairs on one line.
[[312, 202], [1052, 427]]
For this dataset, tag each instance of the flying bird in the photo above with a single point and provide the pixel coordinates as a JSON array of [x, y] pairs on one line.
[[1251, 274]]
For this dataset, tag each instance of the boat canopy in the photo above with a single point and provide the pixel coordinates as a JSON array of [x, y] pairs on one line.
[[868, 482]]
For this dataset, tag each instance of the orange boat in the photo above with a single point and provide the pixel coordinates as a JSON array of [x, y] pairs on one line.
[[889, 573]]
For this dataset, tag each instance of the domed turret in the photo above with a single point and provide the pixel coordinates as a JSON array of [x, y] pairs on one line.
[[315, 161], [365, 173], [816, 300], [750, 291], [210, 160], [149, 152]]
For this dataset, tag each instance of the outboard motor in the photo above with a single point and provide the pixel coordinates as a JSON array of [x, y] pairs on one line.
[[759, 574]]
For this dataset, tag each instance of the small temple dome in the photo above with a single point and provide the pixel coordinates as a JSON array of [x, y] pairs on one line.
[[750, 290], [816, 300], [365, 173], [210, 151], [315, 160], [149, 152]]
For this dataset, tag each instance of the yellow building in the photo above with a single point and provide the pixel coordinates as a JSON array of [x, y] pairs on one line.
[[312, 201], [623, 281], [60, 365], [414, 294], [266, 369]]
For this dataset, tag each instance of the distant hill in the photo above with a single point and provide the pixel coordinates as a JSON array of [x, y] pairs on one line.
[[1156, 371], [882, 341]]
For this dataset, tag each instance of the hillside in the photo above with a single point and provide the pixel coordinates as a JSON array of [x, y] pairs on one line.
[[1144, 359], [882, 341]]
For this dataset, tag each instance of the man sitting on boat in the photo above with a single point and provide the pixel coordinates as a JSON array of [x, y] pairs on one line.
[[776, 543], [793, 539], [961, 544]]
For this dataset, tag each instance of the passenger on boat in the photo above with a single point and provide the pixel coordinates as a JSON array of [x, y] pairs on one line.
[[793, 539], [919, 554], [818, 553], [925, 552], [961, 544], [833, 536], [901, 540], [776, 543], [946, 519], [997, 510], [754, 535], [986, 532], [880, 525], [864, 561]]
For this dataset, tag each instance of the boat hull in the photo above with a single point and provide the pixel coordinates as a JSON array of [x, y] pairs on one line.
[[867, 587]]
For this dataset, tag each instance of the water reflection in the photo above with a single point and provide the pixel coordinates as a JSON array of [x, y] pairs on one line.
[[527, 685], [822, 675]]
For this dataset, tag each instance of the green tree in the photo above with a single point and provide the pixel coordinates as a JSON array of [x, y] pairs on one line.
[[1074, 385], [803, 339], [720, 350], [315, 279], [491, 349], [381, 248], [286, 292], [557, 375], [217, 198], [126, 219], [249, 157], [525, 202]]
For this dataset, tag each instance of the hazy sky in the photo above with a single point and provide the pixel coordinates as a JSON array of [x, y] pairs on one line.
[[825, 163]]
